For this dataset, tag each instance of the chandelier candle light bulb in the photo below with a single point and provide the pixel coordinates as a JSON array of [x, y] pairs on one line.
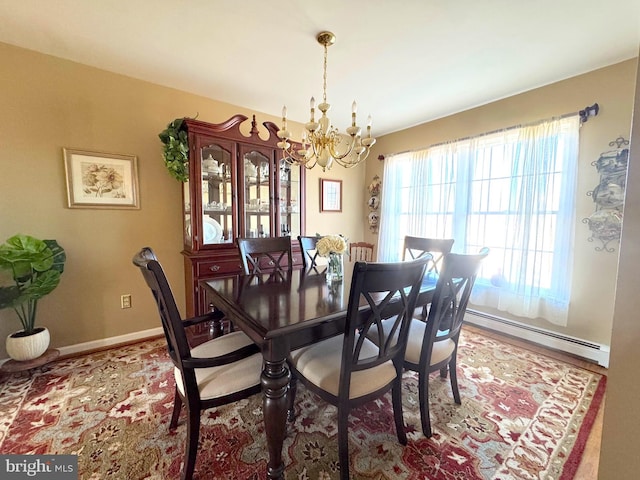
[[354, 110], [321, 142]]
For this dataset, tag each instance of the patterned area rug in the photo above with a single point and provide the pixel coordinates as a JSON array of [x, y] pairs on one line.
[[523, 416]]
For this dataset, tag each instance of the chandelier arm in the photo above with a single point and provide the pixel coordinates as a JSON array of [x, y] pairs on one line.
[[360, 158], [334, 140], [339, 156], [292, 158]]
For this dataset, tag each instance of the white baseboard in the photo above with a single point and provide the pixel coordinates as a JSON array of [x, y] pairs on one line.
[[107, 342], [595, 352]]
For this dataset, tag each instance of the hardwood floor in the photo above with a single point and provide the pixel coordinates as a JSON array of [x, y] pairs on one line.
[[588, 468]]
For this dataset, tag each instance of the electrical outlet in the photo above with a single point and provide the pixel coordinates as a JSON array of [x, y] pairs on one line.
[[125, 301]]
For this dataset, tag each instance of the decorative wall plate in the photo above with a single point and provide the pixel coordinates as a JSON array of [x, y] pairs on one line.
[[605, 226], [608, 195], [374, 186]]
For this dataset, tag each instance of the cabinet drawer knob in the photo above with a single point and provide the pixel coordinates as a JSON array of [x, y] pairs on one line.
[[214, 268]]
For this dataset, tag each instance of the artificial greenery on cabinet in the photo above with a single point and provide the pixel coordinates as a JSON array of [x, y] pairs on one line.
[[176, 149]]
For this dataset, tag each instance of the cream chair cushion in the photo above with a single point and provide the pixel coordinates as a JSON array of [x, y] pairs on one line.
[[441, 350], [320, 364], [214, 382]]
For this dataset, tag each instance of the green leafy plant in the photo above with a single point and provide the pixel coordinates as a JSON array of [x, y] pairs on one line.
[[176, 150], [35, 267]]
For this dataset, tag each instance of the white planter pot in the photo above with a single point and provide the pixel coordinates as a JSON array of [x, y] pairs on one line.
[[27, 348]]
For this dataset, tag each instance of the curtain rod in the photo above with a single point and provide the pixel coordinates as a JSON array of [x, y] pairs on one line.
[[590, 111]]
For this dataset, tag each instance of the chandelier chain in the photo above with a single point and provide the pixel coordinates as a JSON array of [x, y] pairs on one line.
[[324, 77]]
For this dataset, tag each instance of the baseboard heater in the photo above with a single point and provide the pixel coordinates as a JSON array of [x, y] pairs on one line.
[[594, 352]]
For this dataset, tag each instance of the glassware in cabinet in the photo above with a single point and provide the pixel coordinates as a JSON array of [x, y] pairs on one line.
[[289, 189]]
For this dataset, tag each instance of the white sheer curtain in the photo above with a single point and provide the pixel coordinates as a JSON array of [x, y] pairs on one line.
[[512, 191]]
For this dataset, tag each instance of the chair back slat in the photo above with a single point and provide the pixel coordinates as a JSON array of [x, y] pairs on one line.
[[361, 252], [154, 276], [274, 251], [416, 247], [309, 251]]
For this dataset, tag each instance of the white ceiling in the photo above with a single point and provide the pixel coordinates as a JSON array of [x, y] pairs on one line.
[[405, 61]]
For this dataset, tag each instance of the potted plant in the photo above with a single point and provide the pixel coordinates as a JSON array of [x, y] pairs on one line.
[[34, 266]]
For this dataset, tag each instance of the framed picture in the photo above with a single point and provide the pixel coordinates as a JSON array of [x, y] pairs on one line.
[[101, 180], [330, 195]]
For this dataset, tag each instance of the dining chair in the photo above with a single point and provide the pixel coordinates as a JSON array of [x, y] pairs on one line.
[[265, 254], [214, 373], [349, 369], [433, 345], [309, 252], [436, 248], [361, 252]]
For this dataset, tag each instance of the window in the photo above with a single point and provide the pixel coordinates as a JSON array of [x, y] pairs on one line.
[[512, 191]]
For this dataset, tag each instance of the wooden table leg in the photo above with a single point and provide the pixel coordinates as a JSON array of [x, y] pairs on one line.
[[275, 381]]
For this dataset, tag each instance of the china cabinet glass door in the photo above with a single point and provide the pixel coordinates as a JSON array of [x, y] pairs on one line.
[[257, 193], [217, 195]]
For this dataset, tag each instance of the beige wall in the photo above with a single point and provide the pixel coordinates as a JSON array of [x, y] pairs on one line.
[[47, 104], [594, 274], [619, 458]]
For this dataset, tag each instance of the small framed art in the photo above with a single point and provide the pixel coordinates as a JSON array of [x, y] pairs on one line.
[[101, 180], [330, 195]]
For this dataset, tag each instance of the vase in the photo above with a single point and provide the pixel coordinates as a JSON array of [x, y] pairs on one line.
[[22, 347], [335, 268]]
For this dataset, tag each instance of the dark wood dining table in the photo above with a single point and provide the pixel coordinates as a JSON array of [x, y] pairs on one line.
[[280, 312]]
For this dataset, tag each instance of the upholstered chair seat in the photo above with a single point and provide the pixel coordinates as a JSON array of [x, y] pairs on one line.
[[440, 352], [320, 364], [215, 382]]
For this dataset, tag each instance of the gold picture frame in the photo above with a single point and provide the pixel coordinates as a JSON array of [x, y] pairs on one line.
[[330, 195], [101, 180]]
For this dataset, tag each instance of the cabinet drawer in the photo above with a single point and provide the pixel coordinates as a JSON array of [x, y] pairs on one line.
[[217, 267]]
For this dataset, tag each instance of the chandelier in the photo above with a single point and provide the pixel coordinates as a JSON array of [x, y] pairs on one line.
[[321, 142]]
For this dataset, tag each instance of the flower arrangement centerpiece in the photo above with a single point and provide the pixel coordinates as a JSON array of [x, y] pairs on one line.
[[333, 247]]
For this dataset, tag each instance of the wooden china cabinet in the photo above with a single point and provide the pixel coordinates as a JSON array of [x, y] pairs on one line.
[[238, 186]]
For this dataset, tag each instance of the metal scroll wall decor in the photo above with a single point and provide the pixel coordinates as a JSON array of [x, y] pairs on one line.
[[374, 204], [606, 222]]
